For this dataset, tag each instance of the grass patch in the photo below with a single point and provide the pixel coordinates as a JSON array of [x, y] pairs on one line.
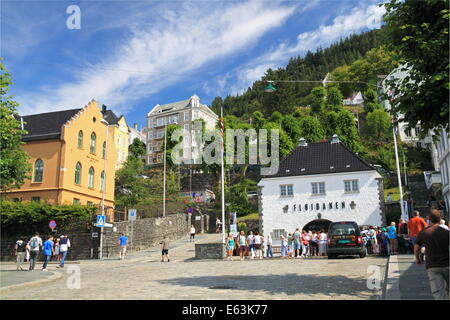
[[251, 216], [395, 194]]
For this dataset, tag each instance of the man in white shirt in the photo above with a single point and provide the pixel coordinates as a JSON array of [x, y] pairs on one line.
[[192, 234], [34, 245], [251, 246], [64, 245]]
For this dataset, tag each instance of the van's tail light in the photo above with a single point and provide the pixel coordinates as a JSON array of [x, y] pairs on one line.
[[359, 239]]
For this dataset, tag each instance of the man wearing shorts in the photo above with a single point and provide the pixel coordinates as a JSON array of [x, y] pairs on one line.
[[165, 249], [297, 244], [123, 241], [242, 242]]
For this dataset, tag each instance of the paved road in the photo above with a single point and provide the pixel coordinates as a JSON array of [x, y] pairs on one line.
[[145, 277]]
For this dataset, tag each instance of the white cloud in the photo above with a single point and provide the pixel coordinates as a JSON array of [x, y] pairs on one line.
[[178, 41], [354, 21]]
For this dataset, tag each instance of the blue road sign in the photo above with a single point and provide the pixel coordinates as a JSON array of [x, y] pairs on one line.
[[189, 210], [52, 224], [100, 221]]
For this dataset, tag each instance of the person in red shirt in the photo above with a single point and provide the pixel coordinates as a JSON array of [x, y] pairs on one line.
[[305, 243], [415, 225]]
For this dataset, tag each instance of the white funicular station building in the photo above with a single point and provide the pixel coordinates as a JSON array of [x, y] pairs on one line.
[[318, 183]]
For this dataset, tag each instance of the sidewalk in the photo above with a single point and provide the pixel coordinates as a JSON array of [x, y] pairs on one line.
[[406, 280]]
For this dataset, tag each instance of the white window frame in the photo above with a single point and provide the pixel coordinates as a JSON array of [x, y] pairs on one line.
[[286, 190], [319, 187], [351, 185]]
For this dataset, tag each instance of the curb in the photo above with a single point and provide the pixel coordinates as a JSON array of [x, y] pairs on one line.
[[392, 280], [55, 276]]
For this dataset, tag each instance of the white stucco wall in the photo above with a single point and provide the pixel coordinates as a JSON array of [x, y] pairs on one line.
[[367, 210]]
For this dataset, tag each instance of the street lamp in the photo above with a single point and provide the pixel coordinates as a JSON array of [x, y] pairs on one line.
[[100, 255]]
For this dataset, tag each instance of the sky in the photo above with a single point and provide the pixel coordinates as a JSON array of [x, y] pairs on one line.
[[131, 55]]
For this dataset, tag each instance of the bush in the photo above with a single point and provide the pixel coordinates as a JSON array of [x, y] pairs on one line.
[[242, 227], [25, 218]]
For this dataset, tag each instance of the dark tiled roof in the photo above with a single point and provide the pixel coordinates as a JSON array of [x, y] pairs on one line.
[[45, 126], [110, 116], [320, 158]]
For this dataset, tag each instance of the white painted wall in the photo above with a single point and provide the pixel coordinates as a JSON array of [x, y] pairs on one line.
[[366, 212]]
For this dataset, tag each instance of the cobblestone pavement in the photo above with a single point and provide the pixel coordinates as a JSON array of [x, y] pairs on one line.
[[145, 277]]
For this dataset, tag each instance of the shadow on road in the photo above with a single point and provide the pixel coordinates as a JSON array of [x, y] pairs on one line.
[[290, 284]]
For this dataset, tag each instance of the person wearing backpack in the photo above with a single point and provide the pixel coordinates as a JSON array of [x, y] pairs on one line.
[[21, 247], [34, 244]]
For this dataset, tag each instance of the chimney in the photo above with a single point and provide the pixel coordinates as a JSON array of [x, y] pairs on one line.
[[135, 125], [103, 108], [303, 142], [335, 139]]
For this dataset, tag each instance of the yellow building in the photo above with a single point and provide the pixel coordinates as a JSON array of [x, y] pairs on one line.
[[73, 156], [121, 135]]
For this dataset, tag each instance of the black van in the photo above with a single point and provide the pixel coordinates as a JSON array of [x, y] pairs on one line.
[[344, 238]]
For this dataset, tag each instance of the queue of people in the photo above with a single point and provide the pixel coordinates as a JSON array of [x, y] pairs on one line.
[[53, 248]]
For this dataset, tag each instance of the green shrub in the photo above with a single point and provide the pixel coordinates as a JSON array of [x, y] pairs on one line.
[[25, 218], [242, 227]]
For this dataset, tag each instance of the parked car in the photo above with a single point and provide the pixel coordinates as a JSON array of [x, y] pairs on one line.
[[344, 238]]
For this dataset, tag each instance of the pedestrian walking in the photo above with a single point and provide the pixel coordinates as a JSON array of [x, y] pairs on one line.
[[290, 241], [436, 242], [34, 246], [251, 247], [230, 247], [415, 225], [48, 252], [392, 233], [123, 242], [269, 253], [218, 225], [20, 250], [192, 232], [258, 245], [284, 246], [297, 242], [64, 245], [242, 241], [323, 243], [165, 249], [314, 244], [56, 252]]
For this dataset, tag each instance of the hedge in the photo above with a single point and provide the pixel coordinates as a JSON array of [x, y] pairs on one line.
[[25, 218]]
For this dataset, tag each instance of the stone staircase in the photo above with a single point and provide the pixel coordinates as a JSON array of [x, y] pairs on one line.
[[419, 193]]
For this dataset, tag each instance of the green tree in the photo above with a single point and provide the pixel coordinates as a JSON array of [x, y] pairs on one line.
[[378, 124], [130, 188], [291, 126], [14, 162], [371, 101], [317, 99], [137, 148], [258, 120], [276, 117], [334, 99], [347, 131], [418, 32], [311, 129]]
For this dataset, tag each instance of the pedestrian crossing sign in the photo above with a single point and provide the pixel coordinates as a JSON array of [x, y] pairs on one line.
[[100, 221]]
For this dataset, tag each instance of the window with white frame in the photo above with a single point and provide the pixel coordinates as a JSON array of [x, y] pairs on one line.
[[286, 190], [160, 121], [318, 187], [186, 116], [351, 186], [195, 115], [277, 233], [150, 135], [186, 127]]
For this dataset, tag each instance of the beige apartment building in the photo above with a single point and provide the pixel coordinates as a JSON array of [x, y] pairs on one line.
[[182, 113]]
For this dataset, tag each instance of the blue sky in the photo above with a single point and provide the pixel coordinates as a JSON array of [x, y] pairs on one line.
[[132, 55]]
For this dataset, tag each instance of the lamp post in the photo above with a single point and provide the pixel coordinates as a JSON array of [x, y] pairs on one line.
[[164, 179], [100, 255]]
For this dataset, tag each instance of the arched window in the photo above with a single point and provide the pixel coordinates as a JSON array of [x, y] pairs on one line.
[[102, 181], [104, 150], [93, 140], [91, 178], [80, 139], [38, 170], [78, 173]]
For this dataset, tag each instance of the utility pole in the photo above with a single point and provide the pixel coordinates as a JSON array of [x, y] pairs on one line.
[[164, 181]]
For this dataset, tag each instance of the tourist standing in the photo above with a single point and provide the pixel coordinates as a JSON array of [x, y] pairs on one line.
[[34, 245], [415, 225], [373, 240], [56, 252], [165, 249], [20, 248], [242, 244], [297, 242], [48, 252], [250, 241], [269, 247], [230, 247], [123, 242], [218, 225], [436, 242], [314, 244], [284, 246], [305, 244], [258, 245], [392, 232], [192, 232], [64, 245], [322, 243]]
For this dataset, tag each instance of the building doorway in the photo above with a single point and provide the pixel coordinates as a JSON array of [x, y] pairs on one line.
[[317, 225]]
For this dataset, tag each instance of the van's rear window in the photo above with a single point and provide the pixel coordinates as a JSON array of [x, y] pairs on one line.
[[343, 229]]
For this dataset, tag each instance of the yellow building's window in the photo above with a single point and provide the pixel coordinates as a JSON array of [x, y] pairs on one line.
[[80, 139], [38, 170], [93, 142], [91, 178], [78, 173]]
